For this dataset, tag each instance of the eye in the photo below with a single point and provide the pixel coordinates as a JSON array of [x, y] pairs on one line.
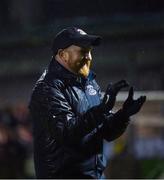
[[85, 51], [82, 51]]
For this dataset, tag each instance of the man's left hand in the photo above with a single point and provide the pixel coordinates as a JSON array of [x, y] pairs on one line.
[[131, 106]]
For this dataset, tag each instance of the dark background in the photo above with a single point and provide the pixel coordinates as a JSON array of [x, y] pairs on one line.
[[132, 34], [132, 49]]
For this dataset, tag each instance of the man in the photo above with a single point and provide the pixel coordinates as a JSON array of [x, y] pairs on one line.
[[70, 119]]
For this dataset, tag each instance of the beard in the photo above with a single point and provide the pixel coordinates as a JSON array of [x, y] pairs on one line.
[[81, 67], [84, 69]]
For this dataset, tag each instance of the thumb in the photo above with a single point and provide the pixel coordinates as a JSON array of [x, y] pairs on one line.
[[105, 99]]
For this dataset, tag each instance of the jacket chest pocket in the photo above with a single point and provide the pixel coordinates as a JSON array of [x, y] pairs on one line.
[[92, 96], [82, 100]]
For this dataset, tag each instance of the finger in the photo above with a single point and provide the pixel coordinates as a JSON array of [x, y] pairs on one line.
[[109, 86], [142, 99], [131, 92], [121, 84], [105, 99], [125, 83]]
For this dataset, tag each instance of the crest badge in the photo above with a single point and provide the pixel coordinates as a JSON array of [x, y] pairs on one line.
[[91, 90]]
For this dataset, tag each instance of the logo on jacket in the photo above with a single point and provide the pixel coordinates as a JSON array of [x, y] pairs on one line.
[[91, 90]]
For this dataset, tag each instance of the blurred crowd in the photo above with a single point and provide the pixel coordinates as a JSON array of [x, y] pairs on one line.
[[15, 142], [138, 153], [141, 148]]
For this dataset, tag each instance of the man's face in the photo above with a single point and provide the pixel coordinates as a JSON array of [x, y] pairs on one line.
[[79, 60]]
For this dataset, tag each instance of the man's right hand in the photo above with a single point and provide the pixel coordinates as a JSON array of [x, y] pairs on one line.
[[110, 95]]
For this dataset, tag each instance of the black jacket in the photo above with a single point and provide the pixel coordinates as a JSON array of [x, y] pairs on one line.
[[68, 128]]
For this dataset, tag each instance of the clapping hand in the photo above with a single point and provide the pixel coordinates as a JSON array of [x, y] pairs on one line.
[[131, 106], [110, 95]]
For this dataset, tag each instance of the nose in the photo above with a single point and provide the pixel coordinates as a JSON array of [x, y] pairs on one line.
[[88, 56]]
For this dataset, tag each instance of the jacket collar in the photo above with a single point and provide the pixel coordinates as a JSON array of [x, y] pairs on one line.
[[55, 69]]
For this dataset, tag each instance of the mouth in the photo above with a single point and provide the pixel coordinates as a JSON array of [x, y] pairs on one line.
[[84, 62], [85, 65]]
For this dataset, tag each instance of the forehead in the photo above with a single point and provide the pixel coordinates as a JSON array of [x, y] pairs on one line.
[[78, 48]]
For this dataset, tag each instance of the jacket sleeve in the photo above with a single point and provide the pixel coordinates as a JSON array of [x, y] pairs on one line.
[[50, 105], [115, 125], [112, 127]]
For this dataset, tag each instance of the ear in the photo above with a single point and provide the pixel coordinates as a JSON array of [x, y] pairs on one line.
[[63, 55]]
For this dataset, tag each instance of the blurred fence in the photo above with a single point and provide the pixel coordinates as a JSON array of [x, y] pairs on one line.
[[138, 153]]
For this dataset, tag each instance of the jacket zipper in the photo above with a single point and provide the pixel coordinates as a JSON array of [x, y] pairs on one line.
[[96, 166], [96, 156]]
